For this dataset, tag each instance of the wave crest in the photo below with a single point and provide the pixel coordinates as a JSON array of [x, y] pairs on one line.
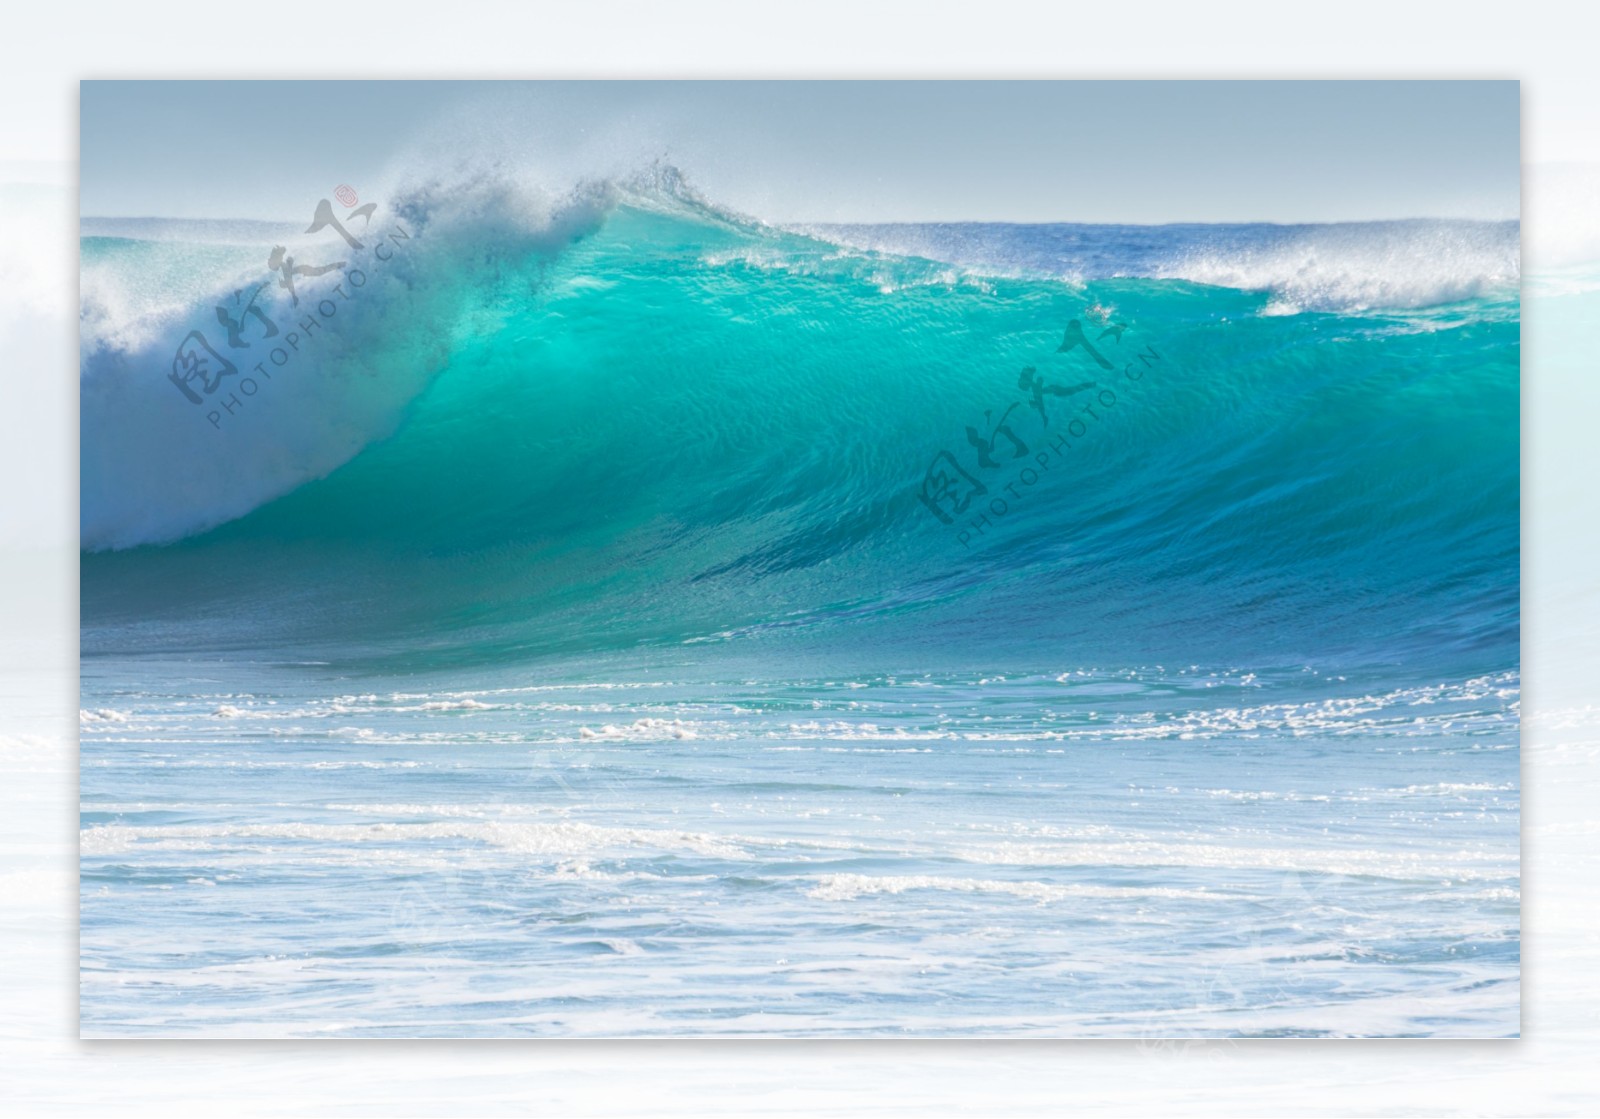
[[160, 463], [1385, 265], [1341, 267]]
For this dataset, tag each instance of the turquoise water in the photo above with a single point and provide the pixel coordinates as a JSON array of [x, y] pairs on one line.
[[572, 636]]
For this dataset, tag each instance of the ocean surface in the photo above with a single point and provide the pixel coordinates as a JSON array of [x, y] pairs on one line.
[[616, 616]]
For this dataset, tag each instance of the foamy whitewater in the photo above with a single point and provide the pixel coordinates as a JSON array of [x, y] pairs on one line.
[[571, 635]]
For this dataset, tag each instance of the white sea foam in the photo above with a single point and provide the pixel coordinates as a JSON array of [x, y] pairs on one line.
[[564, 838], [1466, 864], [1386, 265], [847, 887], [156, 469], [641, 730], [103, 715], [1353, 266]]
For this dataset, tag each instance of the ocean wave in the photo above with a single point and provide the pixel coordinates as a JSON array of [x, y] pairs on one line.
[[1421, 866], [849, 887], [342, 361], [563, 838], [641, 730], [569, 839], [543, 411], [1336, 267], [1383, 265]]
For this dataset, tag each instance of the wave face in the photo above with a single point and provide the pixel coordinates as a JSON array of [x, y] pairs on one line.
[[628, 419]]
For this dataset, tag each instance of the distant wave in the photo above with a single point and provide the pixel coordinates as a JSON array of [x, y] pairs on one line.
[[1341, 267]]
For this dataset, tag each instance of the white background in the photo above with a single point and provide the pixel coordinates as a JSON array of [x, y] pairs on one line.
[[45, 50]]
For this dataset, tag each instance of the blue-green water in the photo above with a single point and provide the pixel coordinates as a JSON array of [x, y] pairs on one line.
[[603, 623]]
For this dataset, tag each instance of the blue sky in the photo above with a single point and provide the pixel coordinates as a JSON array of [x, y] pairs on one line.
[[1103, 151]]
